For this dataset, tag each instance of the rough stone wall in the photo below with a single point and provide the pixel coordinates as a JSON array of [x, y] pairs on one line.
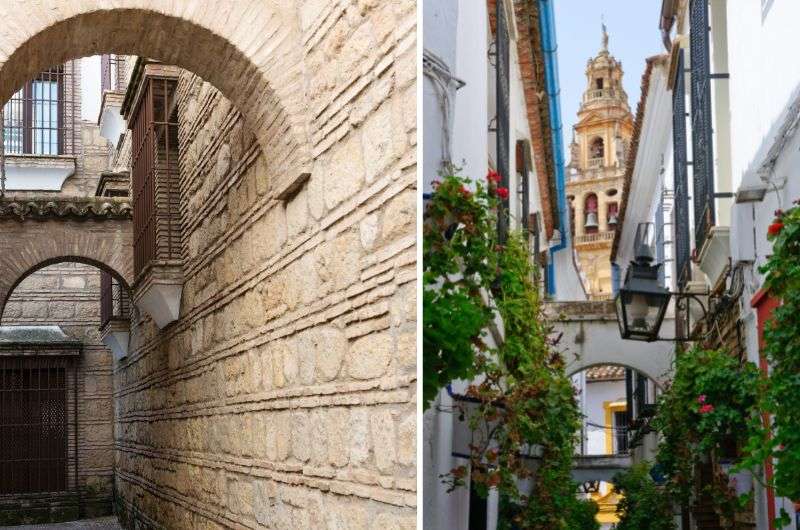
[[284, 397], [68, 295]]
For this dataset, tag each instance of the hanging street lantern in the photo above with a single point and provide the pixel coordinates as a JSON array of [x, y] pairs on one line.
[[642, 301]]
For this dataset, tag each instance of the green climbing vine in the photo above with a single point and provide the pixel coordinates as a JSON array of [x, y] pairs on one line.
[[781, 400], [710, 409], [522, 411], [643, 504]]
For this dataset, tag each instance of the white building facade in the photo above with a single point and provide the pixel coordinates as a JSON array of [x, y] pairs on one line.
[[463, 114], [711, 189]]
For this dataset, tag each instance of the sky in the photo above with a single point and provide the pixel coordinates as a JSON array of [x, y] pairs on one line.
[[90, 85], [633, 36], [632, 27]]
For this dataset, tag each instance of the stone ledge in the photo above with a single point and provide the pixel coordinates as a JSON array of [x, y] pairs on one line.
[[80, 208]]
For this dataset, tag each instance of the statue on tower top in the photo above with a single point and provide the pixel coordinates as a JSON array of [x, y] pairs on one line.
[[605, 37]]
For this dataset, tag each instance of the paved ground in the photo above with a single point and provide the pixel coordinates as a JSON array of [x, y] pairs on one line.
[[104, 523]]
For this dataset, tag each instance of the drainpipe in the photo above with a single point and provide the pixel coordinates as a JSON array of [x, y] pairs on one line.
[[550, 48]]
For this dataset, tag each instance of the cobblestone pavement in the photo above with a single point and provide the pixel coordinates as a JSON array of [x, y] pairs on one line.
[[104, 523]]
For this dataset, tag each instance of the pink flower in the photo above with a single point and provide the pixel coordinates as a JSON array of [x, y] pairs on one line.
[[435, 184], [705, 409], [701, 398], [465, 192]]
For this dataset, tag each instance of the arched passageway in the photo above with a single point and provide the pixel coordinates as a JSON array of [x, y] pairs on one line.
[[590, 337], [284, 394], [250, 51], [39, 233]]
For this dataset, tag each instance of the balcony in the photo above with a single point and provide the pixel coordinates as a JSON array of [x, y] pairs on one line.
[[596, 163], [594, 238], [600, 93]]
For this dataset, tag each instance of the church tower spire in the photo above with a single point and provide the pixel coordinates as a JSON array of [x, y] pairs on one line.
[[598, 153]]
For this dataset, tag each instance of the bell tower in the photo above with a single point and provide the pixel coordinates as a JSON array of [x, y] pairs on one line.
[[595, 174]]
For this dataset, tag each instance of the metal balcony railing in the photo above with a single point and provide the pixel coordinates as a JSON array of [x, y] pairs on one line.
[[595, 163], [593, 238], [599, 93], [115, 303]]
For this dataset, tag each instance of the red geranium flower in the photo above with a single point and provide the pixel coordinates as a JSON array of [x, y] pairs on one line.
[[775, 228], [705, 409], [502, 192], [493, 176]]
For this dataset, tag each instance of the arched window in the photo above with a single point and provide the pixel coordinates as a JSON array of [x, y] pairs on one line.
[[612, 215], [596, 148], [571, 202], [590, 225], [598, 83]]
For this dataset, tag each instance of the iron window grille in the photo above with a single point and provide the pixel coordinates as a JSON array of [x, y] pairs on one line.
[[156, 219], [39, 119], [112, 68], [38, 424], [702, 146], [115, 301], [503, 132], [681, 222]]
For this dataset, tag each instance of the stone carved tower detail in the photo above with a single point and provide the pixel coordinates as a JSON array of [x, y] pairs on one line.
[[598, 155]]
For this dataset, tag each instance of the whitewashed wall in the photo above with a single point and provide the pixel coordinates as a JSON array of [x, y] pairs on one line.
[[764, 100]]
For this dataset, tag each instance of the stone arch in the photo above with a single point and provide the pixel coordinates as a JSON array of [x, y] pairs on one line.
[[590, 337], [54, 261], [260, 71], [573, 369], [44, 238], [597, 148]]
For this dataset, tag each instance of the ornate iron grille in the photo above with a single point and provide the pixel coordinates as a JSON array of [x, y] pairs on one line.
[[112, 69], [681, 221], [114, 300], [502, 103], [156, 221], [37, 424], [702, 146], [523, 193], [39, 119]]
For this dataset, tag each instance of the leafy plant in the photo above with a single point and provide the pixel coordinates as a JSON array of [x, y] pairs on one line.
[[459, 264], [781, 442], [644, 505], [710, 408], [523, 404]]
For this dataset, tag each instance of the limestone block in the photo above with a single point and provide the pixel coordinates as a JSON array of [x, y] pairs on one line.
[[383, 439], [378, 135], [400, 216], [344, 174], [369, 355]]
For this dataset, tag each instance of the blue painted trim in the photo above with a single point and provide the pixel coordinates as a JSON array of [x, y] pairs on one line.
[[550, 48]]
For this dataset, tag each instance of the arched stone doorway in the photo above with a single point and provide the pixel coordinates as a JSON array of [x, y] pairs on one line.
[[40, 233], [284, 393]]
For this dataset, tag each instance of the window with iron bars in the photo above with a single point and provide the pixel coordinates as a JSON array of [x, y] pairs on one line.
[[38, 442], [156, 219], [39, 119], [702, 132], [683, 268], [112, 69], [115, 302]]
